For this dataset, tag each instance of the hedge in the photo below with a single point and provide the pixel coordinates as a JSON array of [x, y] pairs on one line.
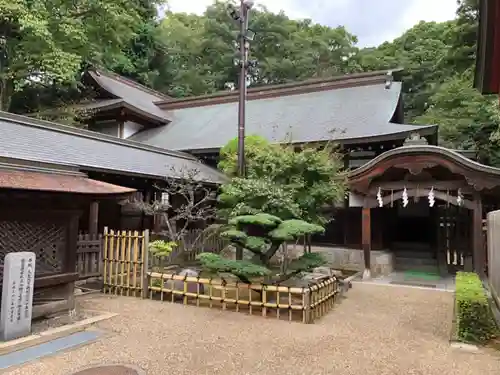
[[474, 319]]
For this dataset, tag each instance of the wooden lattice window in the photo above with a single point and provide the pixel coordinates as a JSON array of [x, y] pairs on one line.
[[46, 240]]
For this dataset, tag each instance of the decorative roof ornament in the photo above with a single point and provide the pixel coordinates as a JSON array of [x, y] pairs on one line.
[[415, 139], [431, 198], [379, 198], [405, 197]]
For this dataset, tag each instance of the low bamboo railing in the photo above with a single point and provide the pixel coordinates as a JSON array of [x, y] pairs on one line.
[[303, 304]]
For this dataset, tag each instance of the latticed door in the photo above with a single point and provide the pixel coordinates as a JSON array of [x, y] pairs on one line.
[[46, 240]]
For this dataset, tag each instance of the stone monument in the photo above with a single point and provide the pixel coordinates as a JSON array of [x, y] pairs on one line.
[[17, 295]]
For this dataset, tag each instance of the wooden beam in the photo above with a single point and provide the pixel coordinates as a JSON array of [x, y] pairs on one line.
[[52, 280], [439, 185], [372, 202], [366, 239]]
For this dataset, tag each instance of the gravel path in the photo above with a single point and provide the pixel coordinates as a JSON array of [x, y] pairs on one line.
[[376, 330]]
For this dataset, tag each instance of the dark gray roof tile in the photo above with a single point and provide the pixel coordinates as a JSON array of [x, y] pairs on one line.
[[134, 94], [353, 113], [25, 138]]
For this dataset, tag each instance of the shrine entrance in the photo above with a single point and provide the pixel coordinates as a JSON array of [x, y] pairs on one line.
[[425, 203]]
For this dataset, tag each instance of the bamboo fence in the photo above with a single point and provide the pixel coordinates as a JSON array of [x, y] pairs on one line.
[[126, 273], [125, 262], [290, 303]]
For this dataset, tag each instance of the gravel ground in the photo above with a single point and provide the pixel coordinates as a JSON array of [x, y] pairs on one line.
[[376, 330]]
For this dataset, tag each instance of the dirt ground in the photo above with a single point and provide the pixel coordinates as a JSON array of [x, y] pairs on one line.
[[376, 330]]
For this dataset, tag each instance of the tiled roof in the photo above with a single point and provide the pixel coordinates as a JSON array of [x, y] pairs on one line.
[[134, 95], [330, 111], [26, 138], [64, 183]]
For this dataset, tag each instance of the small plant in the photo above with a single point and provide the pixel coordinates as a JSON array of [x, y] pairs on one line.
[[474, 318], [160, 248]]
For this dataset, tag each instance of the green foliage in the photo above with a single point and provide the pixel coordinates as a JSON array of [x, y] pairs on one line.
[[47, 42], [292, 229], [306, 262], [161, 248], [234, 235], [467, 120], [282, 181], [201, 49], [263, 234], [474, 318], [214, 263], [260, 219]]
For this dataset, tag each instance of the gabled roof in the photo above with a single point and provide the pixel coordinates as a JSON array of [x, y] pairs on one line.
[[30, 139], [487, 77], [349, 109], [135, 97]]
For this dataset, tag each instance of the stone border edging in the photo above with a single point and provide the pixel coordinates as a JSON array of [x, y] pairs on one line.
[[53, 333]]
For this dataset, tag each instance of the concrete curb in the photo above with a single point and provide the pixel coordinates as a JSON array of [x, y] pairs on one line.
[[52, 334]]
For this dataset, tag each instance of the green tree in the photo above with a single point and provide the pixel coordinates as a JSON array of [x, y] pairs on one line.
[[282, 180], [44, 43], [203, 49], [421, 53], [263, 234], [467, 120]]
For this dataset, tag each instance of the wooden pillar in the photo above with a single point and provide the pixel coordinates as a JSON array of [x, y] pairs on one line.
[[479, 256], [94, 218], [366, 240], [69, 264]]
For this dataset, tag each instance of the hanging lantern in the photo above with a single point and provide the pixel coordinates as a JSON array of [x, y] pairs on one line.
[[405, 197], [431, 198], [379, 198], [460, 198]]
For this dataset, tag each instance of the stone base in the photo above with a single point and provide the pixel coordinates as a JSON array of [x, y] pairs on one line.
[[382, 262]]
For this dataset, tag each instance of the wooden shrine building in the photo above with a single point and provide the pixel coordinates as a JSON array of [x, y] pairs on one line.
[[451, 189], [40, 207], [137, 132]]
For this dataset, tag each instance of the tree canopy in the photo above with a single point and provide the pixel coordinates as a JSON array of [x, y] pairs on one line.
[[282, 180], [45, 45]]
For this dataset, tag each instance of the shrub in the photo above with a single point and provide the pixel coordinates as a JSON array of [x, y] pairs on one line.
[[474, 319]]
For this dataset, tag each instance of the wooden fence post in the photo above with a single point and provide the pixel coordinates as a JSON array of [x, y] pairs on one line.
[[145, 264]]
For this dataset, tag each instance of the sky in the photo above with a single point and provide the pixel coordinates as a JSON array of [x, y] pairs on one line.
[[372, 21]]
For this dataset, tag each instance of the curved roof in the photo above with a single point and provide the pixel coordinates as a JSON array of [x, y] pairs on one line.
[[427, 156], [344, 114]]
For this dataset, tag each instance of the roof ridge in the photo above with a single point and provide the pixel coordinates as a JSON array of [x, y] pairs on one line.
[[33, 122], [364, 76], [282, 91], [128, 81]]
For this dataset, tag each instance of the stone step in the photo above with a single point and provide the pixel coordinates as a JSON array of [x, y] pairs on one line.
[[416, 261], [411, 246], [421, 267], [415, 254]]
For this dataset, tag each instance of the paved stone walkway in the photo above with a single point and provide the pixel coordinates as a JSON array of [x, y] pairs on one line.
[[376, 330]]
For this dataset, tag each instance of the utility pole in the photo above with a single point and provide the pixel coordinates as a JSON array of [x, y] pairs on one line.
[[244, 43], [245, 36]]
